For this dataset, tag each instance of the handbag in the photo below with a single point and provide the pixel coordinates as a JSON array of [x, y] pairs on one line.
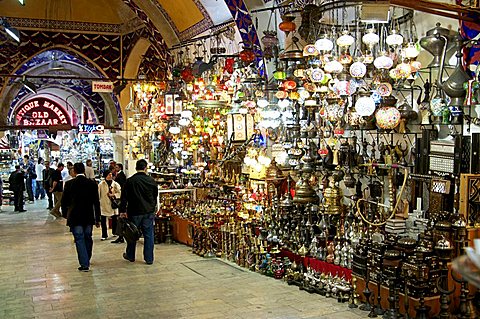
[[115, 202], [129, 230]]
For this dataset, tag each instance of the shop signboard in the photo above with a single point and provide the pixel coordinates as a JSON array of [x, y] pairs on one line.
[[42, 112], [91, 129], [100, 86]]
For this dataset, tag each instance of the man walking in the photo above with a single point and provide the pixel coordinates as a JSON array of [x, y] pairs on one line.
[[29, 167], [48, 183], [57, 189], [138, 204], [89, 172], [120, 177], [17, 186], [39, 189], [81, 208]]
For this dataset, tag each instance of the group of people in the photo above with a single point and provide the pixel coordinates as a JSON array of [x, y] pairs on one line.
[[41, 180], [85, 203], [73, 193]]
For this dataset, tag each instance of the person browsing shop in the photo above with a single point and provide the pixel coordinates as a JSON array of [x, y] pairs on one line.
[[120, 178]]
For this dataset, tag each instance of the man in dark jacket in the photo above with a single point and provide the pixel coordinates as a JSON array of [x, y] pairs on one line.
[[17, 186], [48, 182], [139, 202], [120, 176], [81, 208]]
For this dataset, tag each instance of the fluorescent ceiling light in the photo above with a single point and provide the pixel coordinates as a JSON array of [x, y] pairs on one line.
[[12, 32], [29, 85], [375, 12]]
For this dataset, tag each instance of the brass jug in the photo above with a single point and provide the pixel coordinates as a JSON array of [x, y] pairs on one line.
[[453, 86], [434, 43]]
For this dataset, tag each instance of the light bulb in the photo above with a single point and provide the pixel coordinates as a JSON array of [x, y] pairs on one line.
[[333, 67], [183, 121], [186, 114], [411, 51]]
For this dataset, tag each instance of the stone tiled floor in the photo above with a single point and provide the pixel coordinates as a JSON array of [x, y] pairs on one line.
[[39, 279]]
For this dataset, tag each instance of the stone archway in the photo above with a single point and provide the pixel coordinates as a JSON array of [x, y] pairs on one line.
[[76, 65]]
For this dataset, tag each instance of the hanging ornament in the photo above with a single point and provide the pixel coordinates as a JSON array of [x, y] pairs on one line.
[[394, 39], [247, 55], [370, 39], [345, 40], [324, 44], [287, 25]]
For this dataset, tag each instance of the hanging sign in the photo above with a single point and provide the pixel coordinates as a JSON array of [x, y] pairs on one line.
[[91, 129], [100, 86], [42, 112]]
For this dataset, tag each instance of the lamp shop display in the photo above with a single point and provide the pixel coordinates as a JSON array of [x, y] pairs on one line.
[[342, 174]]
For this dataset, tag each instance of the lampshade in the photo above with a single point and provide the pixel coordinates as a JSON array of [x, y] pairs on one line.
[[240, 126], [173, 104]]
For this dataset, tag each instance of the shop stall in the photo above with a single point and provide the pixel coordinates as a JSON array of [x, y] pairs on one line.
[[353, 172]]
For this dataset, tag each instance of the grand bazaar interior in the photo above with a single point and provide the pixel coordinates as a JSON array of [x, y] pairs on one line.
[[314, 158]]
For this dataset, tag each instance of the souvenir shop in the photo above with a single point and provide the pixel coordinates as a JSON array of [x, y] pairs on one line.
[[333, 145]]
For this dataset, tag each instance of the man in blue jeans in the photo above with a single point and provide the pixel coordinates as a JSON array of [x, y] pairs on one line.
[[138, 204], [81, 208]]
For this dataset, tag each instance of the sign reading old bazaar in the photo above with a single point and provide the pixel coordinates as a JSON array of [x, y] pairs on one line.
[[41, 112]]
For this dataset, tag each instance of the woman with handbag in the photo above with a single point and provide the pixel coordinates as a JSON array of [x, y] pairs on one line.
[[109, 192]]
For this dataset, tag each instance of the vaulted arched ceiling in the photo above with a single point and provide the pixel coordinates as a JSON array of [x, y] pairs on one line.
[[175, 20]]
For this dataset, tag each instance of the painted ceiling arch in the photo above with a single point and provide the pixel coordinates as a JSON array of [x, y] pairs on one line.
[[105, 32], [103, 107]]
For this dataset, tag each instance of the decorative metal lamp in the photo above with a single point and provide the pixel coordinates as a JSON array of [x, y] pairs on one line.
[[240, 126], [173, 103]]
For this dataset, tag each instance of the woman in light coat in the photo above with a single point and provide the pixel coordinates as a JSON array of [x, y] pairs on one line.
[[108, 189]]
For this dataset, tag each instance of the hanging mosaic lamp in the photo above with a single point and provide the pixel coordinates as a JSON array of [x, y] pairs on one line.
[[287, 25]]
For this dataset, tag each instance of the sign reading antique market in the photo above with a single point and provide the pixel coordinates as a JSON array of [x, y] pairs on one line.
[[91, 129], [41, 112]]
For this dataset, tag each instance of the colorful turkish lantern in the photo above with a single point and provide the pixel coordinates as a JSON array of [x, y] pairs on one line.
[[287, 25]]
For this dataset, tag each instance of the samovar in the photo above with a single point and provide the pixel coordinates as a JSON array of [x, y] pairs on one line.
[[435, 44], [332, 195], [304, 193]]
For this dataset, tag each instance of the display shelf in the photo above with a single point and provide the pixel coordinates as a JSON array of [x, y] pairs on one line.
[[6, 161]]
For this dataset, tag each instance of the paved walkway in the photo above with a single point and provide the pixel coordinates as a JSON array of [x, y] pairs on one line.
[[39, 279]]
